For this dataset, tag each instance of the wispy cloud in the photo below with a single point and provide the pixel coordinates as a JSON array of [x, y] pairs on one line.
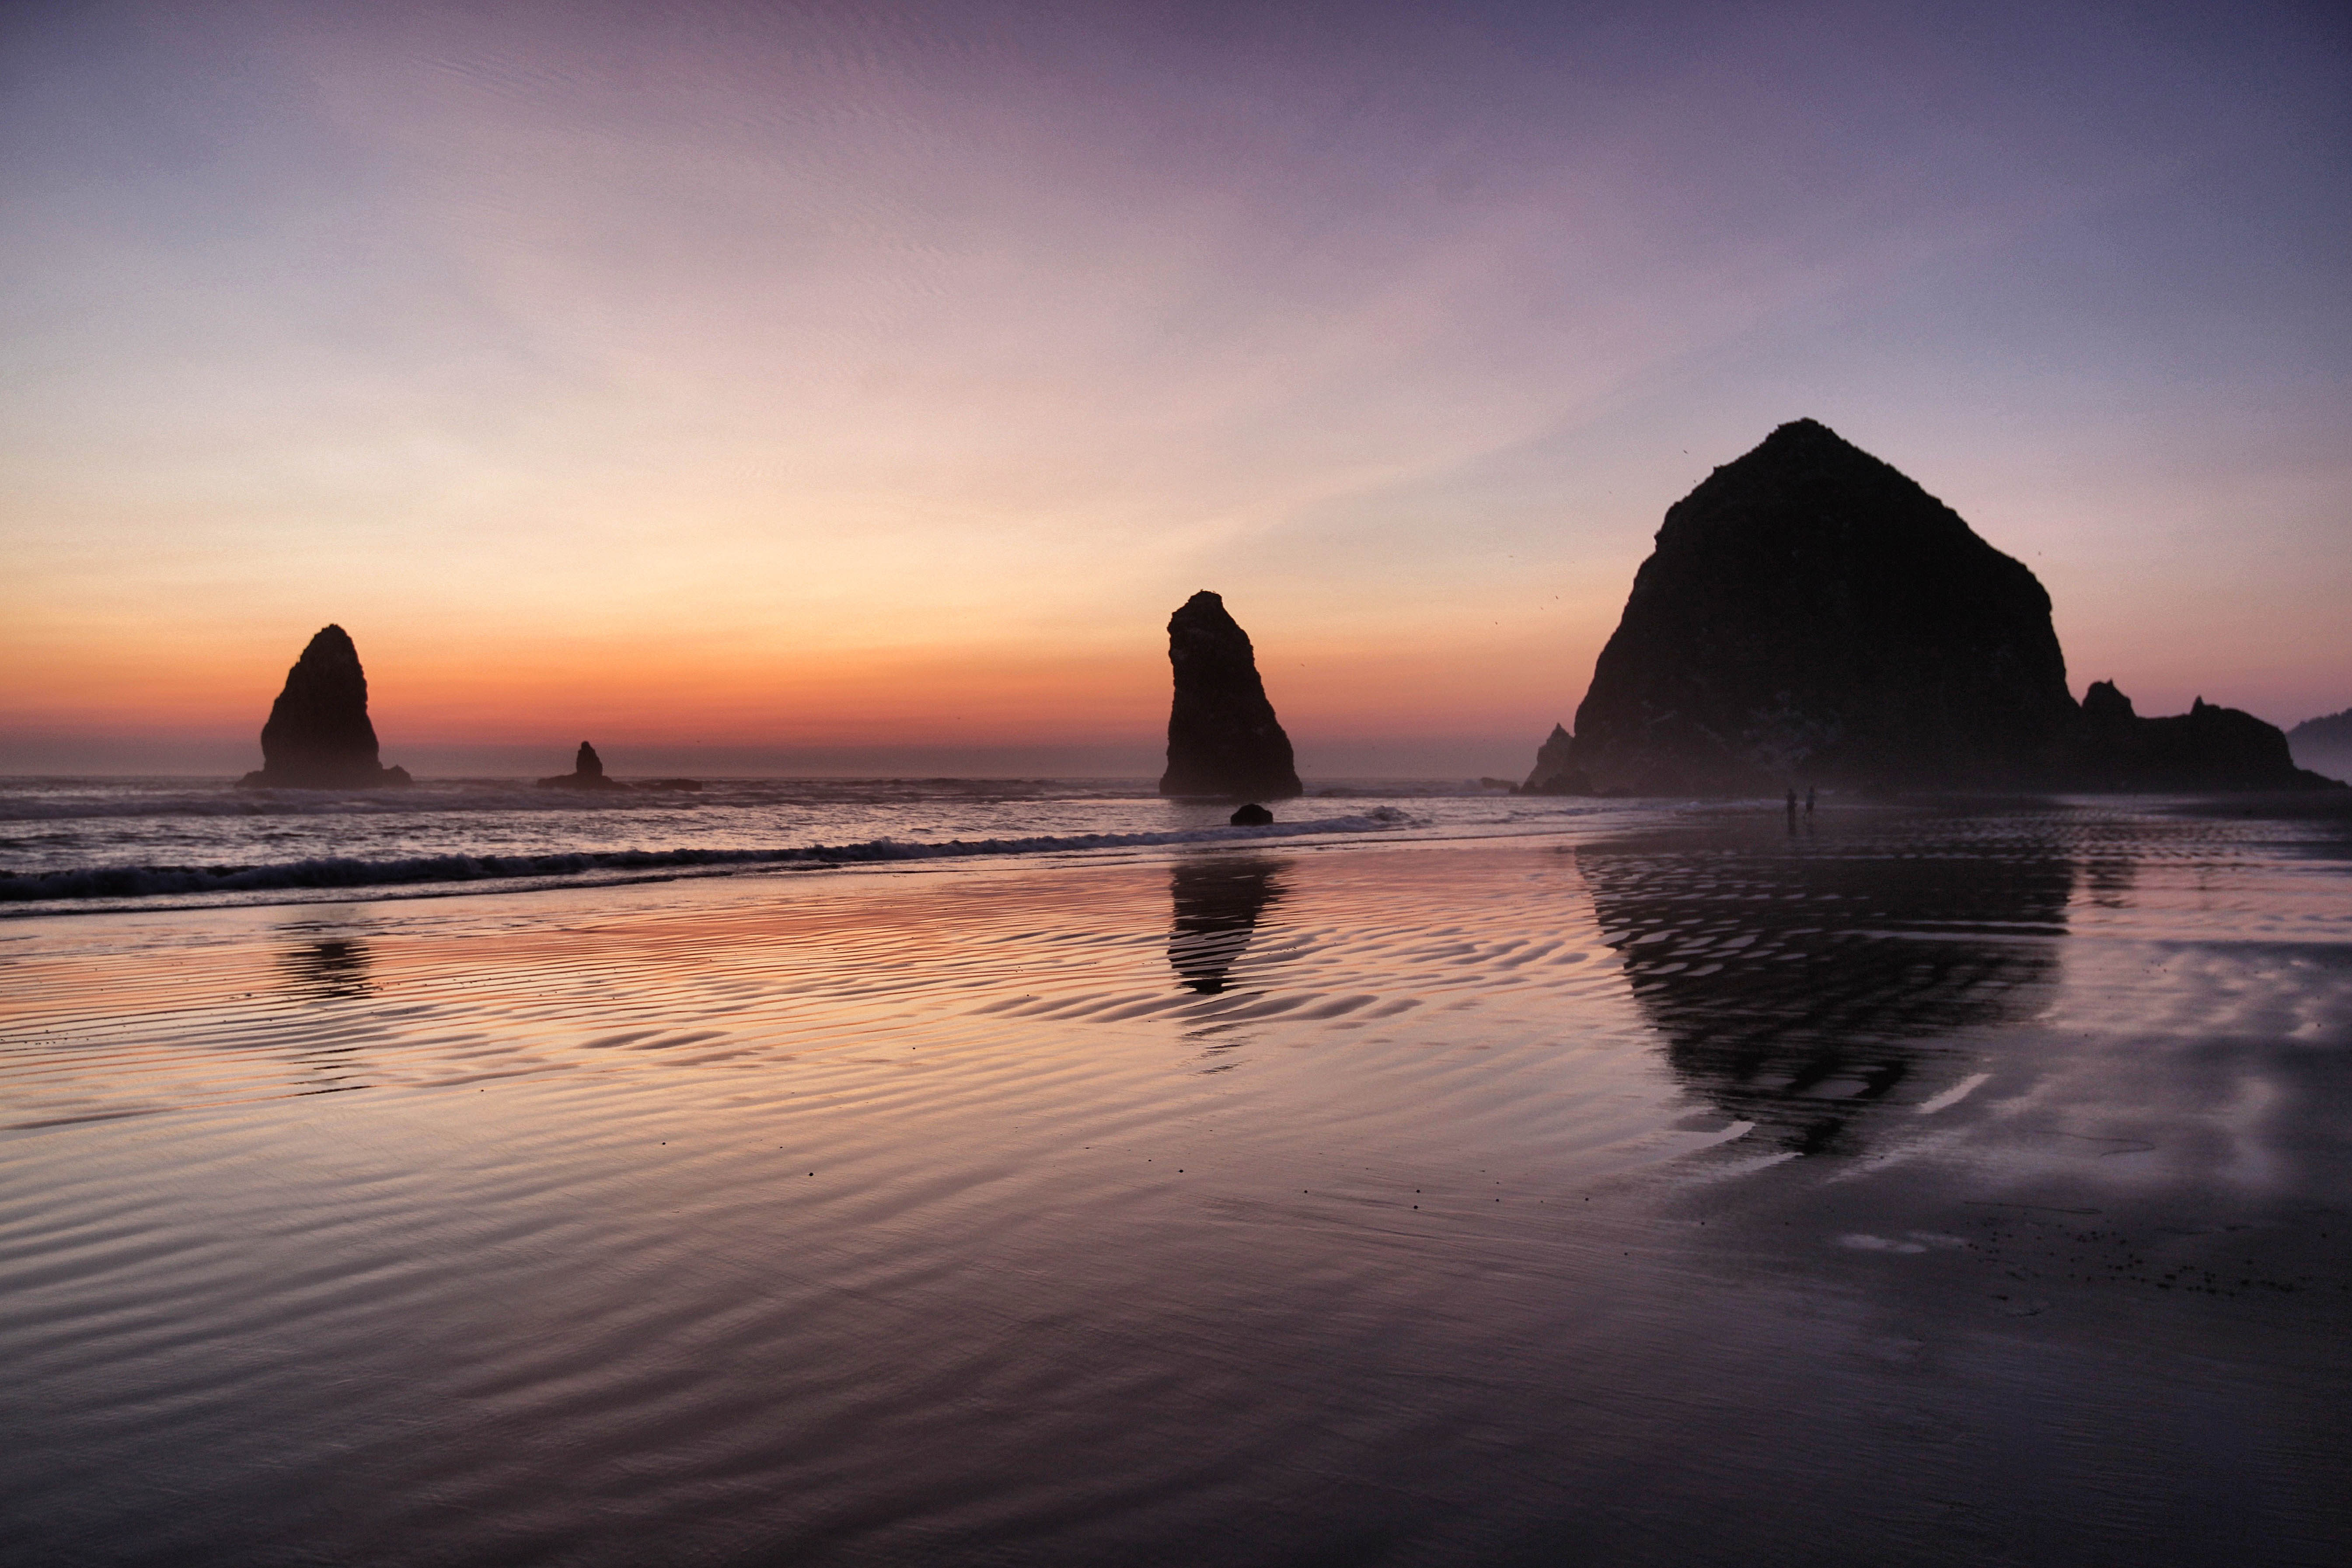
[[896, 338]]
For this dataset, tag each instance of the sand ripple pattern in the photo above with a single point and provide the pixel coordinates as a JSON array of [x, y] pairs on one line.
[[1382, 1198]]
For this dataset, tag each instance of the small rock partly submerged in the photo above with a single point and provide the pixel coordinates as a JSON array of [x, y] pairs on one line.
[[587, 773]]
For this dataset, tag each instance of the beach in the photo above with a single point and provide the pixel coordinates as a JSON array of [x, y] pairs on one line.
[[1923, 1183]]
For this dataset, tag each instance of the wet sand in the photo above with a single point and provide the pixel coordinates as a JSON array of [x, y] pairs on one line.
[[1923, 1186]]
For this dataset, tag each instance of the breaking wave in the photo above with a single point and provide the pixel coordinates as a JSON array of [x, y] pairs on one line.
[[152, 881], [42, 800]]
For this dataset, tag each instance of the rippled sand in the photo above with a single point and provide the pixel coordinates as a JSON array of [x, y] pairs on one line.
[[1914, 1187]]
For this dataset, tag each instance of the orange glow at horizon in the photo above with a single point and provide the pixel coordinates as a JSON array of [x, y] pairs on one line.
[[423, 692], [753, 377]]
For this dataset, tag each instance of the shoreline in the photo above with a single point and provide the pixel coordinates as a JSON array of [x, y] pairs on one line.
[[1941, 1185], [30, 895]]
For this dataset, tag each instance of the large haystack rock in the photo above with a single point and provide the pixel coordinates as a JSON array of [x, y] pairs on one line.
[[1222, 737], [1813, 617], [319, 737], [1810, 615]]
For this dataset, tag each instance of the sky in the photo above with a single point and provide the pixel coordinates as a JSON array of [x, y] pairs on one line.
[[854, 387]]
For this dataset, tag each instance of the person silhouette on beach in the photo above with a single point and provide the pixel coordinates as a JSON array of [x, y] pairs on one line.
[[1792, 809], [1809, 800]]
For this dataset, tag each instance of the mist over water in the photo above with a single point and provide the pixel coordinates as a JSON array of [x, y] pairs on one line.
[[1933, 1186]]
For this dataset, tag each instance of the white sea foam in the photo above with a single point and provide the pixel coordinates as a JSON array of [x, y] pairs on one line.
[[70, 844], [135, 882]]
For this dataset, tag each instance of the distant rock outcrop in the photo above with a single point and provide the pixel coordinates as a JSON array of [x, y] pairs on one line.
[[319, 737], [2207, 748], [1222, 737], [587, 773], [1251, 816], [2324, 745], [1811, 617], [2104, 703], [1552, 774]]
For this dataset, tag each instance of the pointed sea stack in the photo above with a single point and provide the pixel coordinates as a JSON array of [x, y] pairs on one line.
[[1811, 615], [1222, 737], [319, 737], [587, 773]]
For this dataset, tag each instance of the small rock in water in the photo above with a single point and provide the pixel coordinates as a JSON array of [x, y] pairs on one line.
[[587, 773], [1251, 816]]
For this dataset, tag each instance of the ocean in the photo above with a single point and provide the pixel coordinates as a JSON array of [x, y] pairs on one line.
[[83, 843]]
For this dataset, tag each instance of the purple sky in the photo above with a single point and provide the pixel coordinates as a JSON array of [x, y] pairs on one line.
[[816, 381]]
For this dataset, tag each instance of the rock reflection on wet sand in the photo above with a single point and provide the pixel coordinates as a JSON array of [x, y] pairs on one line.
[[1933, 1188], [1796, 981], [331, 966], [1219, 900]]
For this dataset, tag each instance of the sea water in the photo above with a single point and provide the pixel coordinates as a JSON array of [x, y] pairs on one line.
[[66, 842]]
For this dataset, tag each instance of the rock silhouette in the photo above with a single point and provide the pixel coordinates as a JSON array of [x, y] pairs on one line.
[[318, 735], [587, 773], [2207, 748], [1251, 816], [1222, 737], [1811, 614], [1552, 775], [1811, 617]]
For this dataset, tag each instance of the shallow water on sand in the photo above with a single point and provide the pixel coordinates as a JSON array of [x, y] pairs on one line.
[[1917, 1187]]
